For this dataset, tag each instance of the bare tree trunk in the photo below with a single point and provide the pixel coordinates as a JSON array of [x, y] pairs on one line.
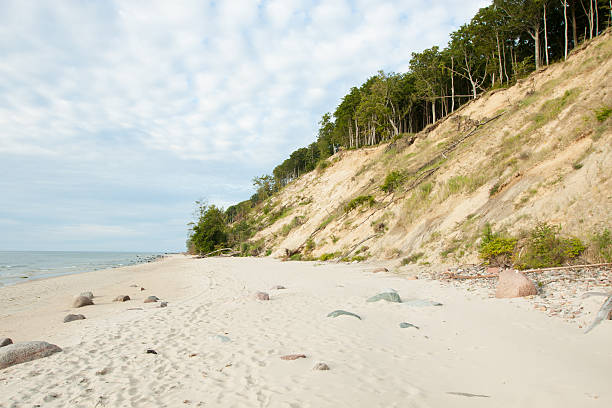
[[501, 70], [536, 38], [596, 18], [433, 110], [505, 63], [574, 27], [545, 34], [565, 25], [453, 83]]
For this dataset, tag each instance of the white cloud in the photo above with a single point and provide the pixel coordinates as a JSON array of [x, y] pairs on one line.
[[234, 85]]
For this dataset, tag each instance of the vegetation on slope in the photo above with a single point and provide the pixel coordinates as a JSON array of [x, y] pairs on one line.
[[410, 176]]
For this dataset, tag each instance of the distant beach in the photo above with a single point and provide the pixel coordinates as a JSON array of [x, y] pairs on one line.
[[220, 343], [20, 266]]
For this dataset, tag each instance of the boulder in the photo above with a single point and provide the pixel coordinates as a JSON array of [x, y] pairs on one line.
[[512, 284], [262, 296], [321, 367], [151, 299], [5, 341], [337, 313], [293, 356], [88, 295], [24, 352], [122, 298], [163, 304], [73, 317], [81, 301], [388, 296]]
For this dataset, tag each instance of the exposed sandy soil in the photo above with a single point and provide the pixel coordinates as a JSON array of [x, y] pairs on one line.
[[472, 351], [551, 163]]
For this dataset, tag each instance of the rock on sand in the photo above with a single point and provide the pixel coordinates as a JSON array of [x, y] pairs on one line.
[[87, 295], [262, 296], [81, 301], [73, 317], [5, 341], [122, 298], [24, 352], [514, 284], [151, 299]]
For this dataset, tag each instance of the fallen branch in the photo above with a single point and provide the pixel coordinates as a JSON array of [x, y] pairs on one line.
[[218, 250], [356, 245]]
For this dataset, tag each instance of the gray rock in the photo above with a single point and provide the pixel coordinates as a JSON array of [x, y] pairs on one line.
[[321, 366], [405, 325], [73, 317], [5, 341], [421, 303], [24, 352], [221, 338], [151, 299], [122, 298], [388, 296], [337, 313], [163, 304], [87, 295], [278, 287], [262, 296], [81, 301]]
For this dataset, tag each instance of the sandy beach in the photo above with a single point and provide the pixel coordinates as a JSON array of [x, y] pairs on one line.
[[218, 346]]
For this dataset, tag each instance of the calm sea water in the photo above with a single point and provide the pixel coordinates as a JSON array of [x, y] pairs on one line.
[[22, 266]]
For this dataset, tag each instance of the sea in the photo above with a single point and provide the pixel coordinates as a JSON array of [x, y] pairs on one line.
[[23, 266]]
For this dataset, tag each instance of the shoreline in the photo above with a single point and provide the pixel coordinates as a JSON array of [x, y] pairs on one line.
[[139, 258], [471, 351]]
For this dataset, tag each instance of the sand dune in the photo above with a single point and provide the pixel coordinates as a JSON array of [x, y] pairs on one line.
[[472, 351]]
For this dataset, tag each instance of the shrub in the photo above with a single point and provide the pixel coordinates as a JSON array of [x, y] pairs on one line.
[[359, 201], [493, 190], [544, 248], [328, 256], [296, 257], [412, 258], [603, 113], [323, 164], [496, 249], [601, 243], [296, 221], [392, 181], [310, 245]]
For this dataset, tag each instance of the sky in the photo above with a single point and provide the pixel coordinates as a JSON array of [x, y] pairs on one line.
[[116, 116]]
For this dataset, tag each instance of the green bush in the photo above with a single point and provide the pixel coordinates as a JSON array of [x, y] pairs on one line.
[[603, 113], [359, 201], [496, 249], [412, 258], [295, 222], [329, 256], [544, 247], [601, 242], [392, 181], [310, 245]]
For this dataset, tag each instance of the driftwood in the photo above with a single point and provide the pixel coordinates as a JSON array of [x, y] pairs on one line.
[[232, 253], [356, 245], [494, 275]]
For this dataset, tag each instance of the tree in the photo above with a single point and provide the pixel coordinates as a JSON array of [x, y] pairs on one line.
[[210, 231], [525, 15]]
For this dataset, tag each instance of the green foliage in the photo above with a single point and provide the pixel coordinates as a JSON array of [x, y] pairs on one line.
[[359, 201], [295, 222], [392, 182], [326, 221], [603, 113], [412, 258], [296, 257], [494, 248], [277, 215], [310, 245], [329, 256], [493, 190], [210, 232], [544, 248], [551, 108], [601, 243]]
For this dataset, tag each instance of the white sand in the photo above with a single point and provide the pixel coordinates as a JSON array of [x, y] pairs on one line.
[[502, 349]]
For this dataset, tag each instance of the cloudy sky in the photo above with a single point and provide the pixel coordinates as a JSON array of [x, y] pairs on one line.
[[115, 116]]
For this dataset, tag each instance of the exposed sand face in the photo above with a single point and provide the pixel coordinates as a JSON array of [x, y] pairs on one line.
[[496, 352]]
